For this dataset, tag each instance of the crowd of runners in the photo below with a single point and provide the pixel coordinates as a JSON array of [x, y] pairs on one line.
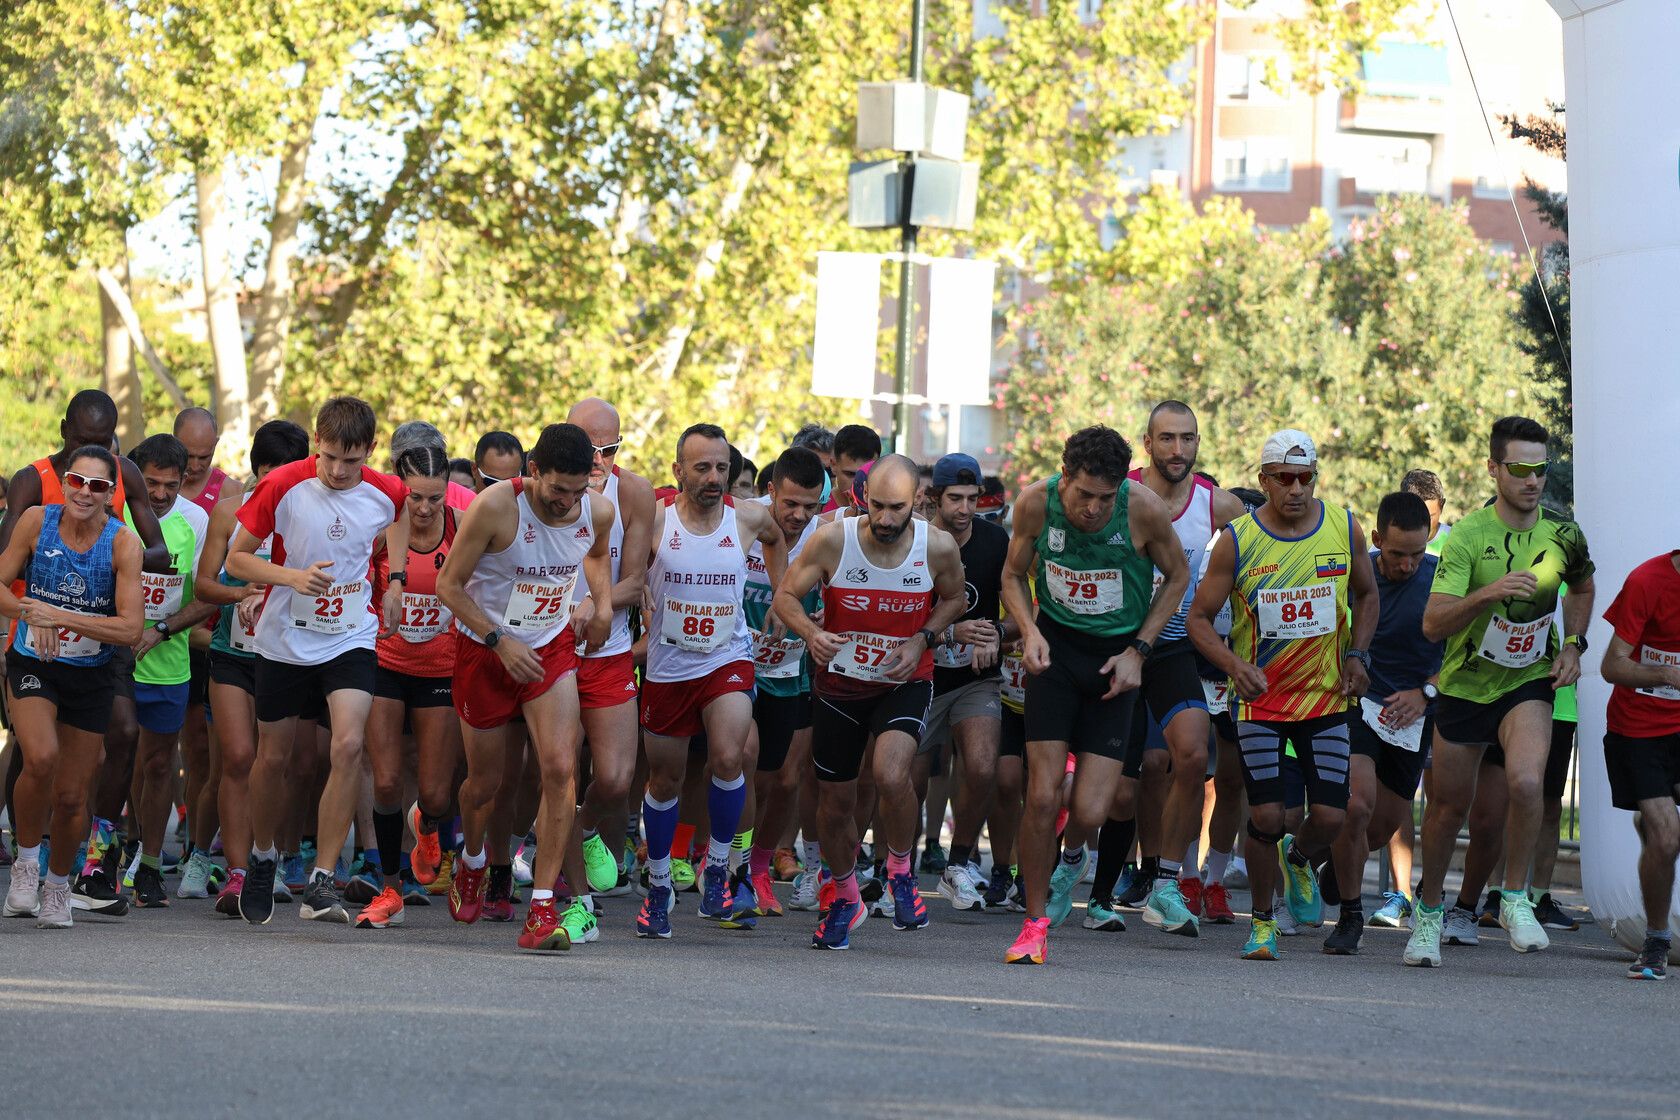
[[366, 676]]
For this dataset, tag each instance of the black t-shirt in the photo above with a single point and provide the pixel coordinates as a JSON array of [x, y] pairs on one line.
[[982, 559]]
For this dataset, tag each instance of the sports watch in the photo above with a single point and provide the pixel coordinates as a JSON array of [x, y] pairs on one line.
[[1430, 692], [1363, 656], [1579, 641]]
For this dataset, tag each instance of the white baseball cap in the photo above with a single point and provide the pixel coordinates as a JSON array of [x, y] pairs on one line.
[[1290, 448]]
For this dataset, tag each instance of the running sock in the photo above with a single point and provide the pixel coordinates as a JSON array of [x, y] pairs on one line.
[[1354, 909], [1114, 840], [1298, 856], [898, 863], [56, 880], [1149, 867], [717, 853], [659, 818], [682, 846], [432, 823], [388, 830], [1664, 935], [846, 887], [31, 853], [810, 854], [738, 849], [1460, 904], [724, 802], [1166, 869], [961, 854], [475, 863], [1073, 855], [153, 862], [758, 863], [270, 854], [1262, 913], [538, 897], [1193, 858], [659, 872], [1217, 861]]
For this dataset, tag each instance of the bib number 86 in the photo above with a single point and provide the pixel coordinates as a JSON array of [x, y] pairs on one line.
[[702, 627]]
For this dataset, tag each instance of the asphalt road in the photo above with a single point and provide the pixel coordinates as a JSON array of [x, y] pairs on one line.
[[180, 1013]]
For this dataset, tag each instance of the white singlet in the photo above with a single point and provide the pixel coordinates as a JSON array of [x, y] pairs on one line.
[[697, 583], [528, 588], [618, 640]]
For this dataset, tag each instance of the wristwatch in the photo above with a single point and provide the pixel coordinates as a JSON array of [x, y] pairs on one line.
[[399, 577], [161, 626], [1144, 648], [928, 638], [492, 639], [1363, 656], [1579, 641], [1430, 692]]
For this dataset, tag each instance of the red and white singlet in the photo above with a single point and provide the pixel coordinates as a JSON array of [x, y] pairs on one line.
[[875, 610]]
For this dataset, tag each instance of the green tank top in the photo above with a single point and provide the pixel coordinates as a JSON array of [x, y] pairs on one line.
[[1093, 583]]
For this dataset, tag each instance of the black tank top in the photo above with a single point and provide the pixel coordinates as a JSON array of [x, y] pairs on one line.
[[982, 559]]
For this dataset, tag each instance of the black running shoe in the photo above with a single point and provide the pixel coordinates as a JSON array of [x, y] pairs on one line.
[[321, 902], [1653, 961], [1133, 889], [95, 894], [149, 890], [1344, 939], [1328, 890], [256, 897], [1549, 914], [997, 891]]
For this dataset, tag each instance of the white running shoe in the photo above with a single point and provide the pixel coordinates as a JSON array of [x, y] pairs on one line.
[[23, 898], [55, 907], [195, 877], [804, 891], [1516, 915], [1459, 927], [957, 884]]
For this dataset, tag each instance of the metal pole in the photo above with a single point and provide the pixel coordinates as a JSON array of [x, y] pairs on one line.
[[907, 244]]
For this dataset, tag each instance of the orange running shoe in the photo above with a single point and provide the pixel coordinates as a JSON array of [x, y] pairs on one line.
[[384, 911], [466, 893], [427, 855], [1216, 904], [543, 931], [764, 894], [785, 865], [1033, 944], [825, 893]]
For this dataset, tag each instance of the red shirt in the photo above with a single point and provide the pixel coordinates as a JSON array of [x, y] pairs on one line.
[[1646, 615], [212, 492], [456, 496], [424, 644]]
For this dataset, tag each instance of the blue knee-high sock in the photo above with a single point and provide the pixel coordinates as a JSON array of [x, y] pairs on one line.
[[659, 820], [724, 802]]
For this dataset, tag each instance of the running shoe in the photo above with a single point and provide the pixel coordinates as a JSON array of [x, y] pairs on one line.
[[1552, 916], [281, 892], [934, 860], [384, 911], [1190, 886], [682, 876], [413, 893], [621, 884], [216, 880], [522, 864], [341, 873], [834, 931], [1344, 939], [580, 924], [804, 895], [445, 876], [5, 849], [826, 891], [1516, 917], [168, 862], [1166, 909], [1017, 903], [55, 907], [227, 900], [909, 911], [655, 918], [957, 885], [997, 891], [1394, 911], [466, 893], [427, 855], [1236, 874], [94, 893], [1423, 948], [1133, 887], [743, 903], [1062, 881], [498, 895], [1032, 946], [294, 873], [543, 932], [23, 896], [1101, 916], [256, 892], [1286, 924], [321, 902], [872, 881], [764, 896], [1459, 927], [366, 882], [599, 866], [1262, 944], [882, 907], [1216, 904], [1300, 887], [1653, 960], [149, 891], [785, 865], [128, 873], [717, 901], [1488, 916]]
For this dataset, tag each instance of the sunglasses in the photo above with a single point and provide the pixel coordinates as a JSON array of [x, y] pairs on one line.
[[608, 451], [1290, 478], [1524, 470], [91, 485]]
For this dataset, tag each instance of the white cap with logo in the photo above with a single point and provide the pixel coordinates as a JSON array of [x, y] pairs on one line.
[[1289, 448]]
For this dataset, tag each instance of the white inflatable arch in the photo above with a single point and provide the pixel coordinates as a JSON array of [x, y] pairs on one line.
[[1621, 90]]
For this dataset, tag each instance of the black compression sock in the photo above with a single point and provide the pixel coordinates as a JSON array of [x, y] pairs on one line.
[[1114, 840], [388, 833], [960, 854]]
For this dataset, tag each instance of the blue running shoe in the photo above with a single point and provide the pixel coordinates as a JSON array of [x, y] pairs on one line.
[[716, 899], [1300, 887], [413, 894], [1101, 915], [1394, 912], [366, 881], [743, 904], [909, 911], [835, 929], [294, 872], [655, 918], [1062, 882], [1133, 888], [46, 854], [1262, 941]]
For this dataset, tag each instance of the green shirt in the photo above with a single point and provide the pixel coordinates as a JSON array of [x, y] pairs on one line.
[[1093, 583], [1513, 641], [184, 528]]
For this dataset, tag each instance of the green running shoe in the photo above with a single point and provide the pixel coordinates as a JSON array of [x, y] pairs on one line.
[[1062, 882], [1262, 941], [599, 867], [1166, 910], [1300, 887], [1101, 916], [682, 876], [579, 922], [1423, 949]]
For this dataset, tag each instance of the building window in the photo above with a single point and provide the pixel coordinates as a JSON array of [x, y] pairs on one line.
[[1389, 164], [1489, 184], [1242, 77], [1088, 10], [1254, 164]]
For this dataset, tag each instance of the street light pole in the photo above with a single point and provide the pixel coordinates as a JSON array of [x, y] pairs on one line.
[[907, 247]]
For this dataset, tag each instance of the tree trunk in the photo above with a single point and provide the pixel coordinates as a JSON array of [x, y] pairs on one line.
[[221, 309], [274, 302], [122, 381]]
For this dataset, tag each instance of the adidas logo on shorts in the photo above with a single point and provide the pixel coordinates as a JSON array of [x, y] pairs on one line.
[[735, 678]]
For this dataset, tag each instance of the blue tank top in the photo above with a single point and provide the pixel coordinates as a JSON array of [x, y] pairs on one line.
[[84, 582]]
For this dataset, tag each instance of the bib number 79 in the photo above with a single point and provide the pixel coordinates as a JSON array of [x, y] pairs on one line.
[[1083, 591]]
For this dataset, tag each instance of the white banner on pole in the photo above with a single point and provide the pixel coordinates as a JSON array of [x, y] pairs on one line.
[[848, 325], [959, 341]]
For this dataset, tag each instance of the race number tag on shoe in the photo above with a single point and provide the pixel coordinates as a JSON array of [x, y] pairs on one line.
[[1015, 679], [1218, 696], [1649, 656], [162, 594], [333, 612], [537, 605], [1289, 613], [1408, 738], [776, 659], [1515, 645], [424, 617], [1084, 591], [862, 656], [957, 655], [697, 627]]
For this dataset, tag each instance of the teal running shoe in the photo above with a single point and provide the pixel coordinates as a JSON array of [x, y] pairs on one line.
[[1166, 910], [1396, 908], [1300, 887], [1062, 882], [1101, 916], [1262, 942]]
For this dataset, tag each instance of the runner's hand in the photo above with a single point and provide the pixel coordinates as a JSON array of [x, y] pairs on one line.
[[904, 658], [1403, 708], [582, 622], [1126, 672], [1355, 680], [1035, 653], [1249, 681], [149, 640], [987, 653], [1670, 675], [250, 607], [823, 646], [37, 615], [975, 632], [312, 580], [521, 663], [1514, 585], [391, 610], [1566, 667]]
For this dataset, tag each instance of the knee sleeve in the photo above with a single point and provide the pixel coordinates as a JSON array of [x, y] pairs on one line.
[[1264, 837]]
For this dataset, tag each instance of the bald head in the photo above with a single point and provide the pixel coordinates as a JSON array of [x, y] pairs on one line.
[[196, 429], [195, 419], [892, 472], [600, 420], [891, 506]]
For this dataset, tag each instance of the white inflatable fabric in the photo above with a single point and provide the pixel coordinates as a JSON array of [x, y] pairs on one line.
[[1621, 85]]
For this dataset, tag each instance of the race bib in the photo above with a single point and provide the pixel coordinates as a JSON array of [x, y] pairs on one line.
[[1015, 679], [1408, 738], [1290, 613], [538, 605], [957, 655], [776, 659], [697, 627], [1514, 645], [1084, 591], [239, 637], [1649, 656], [162, 594], [863, 655], [424, 617], [70, 643], [333, 612], [1218, 696]]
